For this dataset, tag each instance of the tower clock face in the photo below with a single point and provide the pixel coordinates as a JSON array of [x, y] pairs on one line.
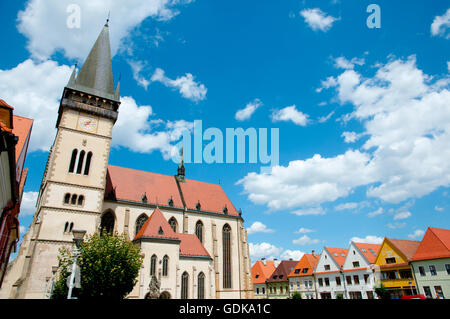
[[87, 123]]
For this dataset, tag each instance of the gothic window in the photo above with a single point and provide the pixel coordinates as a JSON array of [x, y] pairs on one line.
[[67, 198], [226, 242], [80, 200], [80, 162], [66, 227], [173, 223], [153, 265], [72, 160], [88, 163], [140, 221], [184, 285], [201, 286], [71, 227], [199, 230], [165, 266], [74, 199], [107, 223]]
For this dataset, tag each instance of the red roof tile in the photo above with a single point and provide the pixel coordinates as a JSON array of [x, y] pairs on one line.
[[338, 254], [407, 247], [283, 270], [261, 272], [191, 246], [308, 261], [3, 103], [22, 129], [435, 244], [365, 250]]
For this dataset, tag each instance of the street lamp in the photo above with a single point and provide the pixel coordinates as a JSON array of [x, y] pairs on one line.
[[78, 239]]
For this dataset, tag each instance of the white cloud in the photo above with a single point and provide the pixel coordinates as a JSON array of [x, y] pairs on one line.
[[406, 116], [402, 215], [396, 225], [28, 204], [263, 250], [290, 113], [34, 90], [44, 23], [439, 209], [323, 119], [304, 231], [136, 67], [369, 239], [342, 63], [417, 234], [292, 254], [258, 227], [317, 19], [377, 212], [305, 240], [249, 109], [186, 85], [345, 206], [309, 211], [441, 24], [351, 137], [326, 84]]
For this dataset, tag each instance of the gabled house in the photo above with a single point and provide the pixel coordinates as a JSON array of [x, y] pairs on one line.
[[261, 271], [431, 264], [393, 266], [301, 278], [358, 270], [278, 282], [329, 278]]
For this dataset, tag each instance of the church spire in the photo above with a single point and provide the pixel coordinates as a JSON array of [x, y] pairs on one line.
[[96, 77]]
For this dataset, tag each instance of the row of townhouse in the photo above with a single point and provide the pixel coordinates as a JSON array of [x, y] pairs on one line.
[[403, 267]]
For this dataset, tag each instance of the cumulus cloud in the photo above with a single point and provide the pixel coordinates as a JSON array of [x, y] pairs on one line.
[[406, 117], [258, 227], [350, 137], [441, 25], [186, 85], [249, 109], [304, 231], [317, 19], [292, 254], [369, 239], [342, 63], [290, 113], [28, 204], [305, 240], [377, 212], [309, 211], [263, 250], [136, 67], [46, 27], [417, 234]]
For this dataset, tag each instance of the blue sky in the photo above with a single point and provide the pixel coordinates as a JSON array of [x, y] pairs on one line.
[[363, 114]]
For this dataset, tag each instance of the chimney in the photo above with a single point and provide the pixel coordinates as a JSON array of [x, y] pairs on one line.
[[263, 261], [313, 252]]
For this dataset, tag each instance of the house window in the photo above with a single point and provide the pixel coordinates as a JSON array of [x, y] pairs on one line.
[[201, 286], [66, 227], [338, 281], [107, 223], [447, 268], [370, 295], [226, 242], [438, 290], [320, 282], [165, 270], [356, 264], [297, 271], [140, 221], [72, 160], [263, 290], [349, 280], [427, 291], [366, 278], [173, 223], [390, 260], [327, 282], [88, 163], [432, 270], [199, 230], [305, 270], [326, 267], [74, 199], [80, 162], [184, 285], [67, 198], [422, 271], [153, 265], [80, 200], [257, 290], [298, 285], [405, 274], [356, 279]]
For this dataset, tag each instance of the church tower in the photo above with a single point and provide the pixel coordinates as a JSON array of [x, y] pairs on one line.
[[73, 185]]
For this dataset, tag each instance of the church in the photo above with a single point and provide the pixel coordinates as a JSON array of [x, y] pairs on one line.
[[191, 236]]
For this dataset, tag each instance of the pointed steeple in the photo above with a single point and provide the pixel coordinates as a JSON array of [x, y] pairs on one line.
[[72, 77], [96, 77], [117, 91]]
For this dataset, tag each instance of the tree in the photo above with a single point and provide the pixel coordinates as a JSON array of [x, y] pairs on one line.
[[382, 292], [109, 266], [296, 295]]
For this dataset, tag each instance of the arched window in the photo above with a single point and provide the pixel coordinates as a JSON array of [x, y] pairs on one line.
[[184, 285], [153, 265], [74, 199], [165, 270], [173, 223], [201, 286], [88, 163], [71, 227], [226, 245], [67, 198], [66, 227], [107, 223], [80, 200], [72, 160], [140, 221], [80, 162], [199, 230]]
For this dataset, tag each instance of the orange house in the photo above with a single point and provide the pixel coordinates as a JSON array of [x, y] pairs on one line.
[[301, 278], [261, 271]]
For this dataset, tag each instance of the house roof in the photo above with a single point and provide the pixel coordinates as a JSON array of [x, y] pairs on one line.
[[366, 250], [262, 270], [434, 245], [283, 270], [338, 254], [157, 227], [22, 128], [308, 261], [406, 247], [4, 104], [130, 185]]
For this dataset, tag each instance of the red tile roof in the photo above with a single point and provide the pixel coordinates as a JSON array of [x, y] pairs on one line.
[[261, 272], [308, 261], [434, 245], [338, 254], [407, 247], [21, 128], [3, 103], [157, 226], [131, 185], [283, 270], [365, 250]]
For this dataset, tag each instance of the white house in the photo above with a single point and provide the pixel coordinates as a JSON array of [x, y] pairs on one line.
[[328, 275]]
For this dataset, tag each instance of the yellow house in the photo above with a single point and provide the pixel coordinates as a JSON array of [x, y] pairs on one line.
[[393, 266]]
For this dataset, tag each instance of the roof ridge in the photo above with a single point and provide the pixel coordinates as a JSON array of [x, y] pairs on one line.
[[439, 238]]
